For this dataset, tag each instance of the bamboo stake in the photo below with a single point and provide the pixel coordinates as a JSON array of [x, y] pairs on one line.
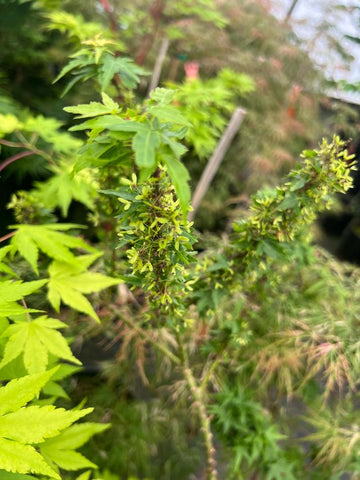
[[290, 11], [159, 64], [216, 159]]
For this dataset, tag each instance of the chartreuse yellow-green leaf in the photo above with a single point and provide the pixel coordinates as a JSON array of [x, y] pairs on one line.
[[20, 391], [12, 291], [4, 251], [23, 426], [16, 457], [68, 286], [64, 187], [94, 109], [34, 424], [68, 459], [29, 239], [61, 449], [35, 340]]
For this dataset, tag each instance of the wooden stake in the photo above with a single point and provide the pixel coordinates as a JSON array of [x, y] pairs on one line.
[[216, 159], [290, 11], [159, 64]]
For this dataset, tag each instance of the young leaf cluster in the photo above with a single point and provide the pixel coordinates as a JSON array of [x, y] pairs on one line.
[[158, 242], [97, 60]]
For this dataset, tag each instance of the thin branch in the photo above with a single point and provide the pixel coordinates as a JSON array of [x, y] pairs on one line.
[[7, 236], [19, 134], [165, 42], [13, 144], [216, 159], [14, 158], [34, 138], [199, 403], [26, 307], [290, 11], [157, 345], [26, 153]]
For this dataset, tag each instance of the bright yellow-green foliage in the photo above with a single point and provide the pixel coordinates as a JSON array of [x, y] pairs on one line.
[[23, 428], [35, 437]]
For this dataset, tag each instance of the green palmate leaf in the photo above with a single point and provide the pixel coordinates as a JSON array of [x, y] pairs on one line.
[[14, 348], [5, 251], [67, 459], [58, 291], [168, 113], [12, 291], [27, 249], [29, 239], [4, 268], [94, 109], [76, 62], [60, 449], [12, 308], [4, 323], [54, 390], [67, 285], [64, 187], [179, 176], [31, 425], [163, 96], [75, 26], [16, 457], [9, 123], [63, 371], [21, 426], [109, 103], [76, 436], [111, 122], [125, 67], [144, 145], [109, 68], [20, 391], [35, 340], [177, 148], [49, 130]]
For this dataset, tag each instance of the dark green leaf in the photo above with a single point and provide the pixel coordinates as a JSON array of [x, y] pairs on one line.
[[179, 176], [144, 145]]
